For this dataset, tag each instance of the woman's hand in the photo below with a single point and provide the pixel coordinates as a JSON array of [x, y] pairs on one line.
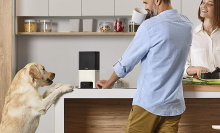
[[196, 70], [103, 84], [200, 70]]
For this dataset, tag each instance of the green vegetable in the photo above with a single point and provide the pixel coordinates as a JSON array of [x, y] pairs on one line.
[[214, 81], [194, 81]]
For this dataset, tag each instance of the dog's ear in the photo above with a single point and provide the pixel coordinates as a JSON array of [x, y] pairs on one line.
[[34, 72]]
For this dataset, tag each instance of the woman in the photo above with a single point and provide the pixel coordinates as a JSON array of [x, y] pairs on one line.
[[204, 55]]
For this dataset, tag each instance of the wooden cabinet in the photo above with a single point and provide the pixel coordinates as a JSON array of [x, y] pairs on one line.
[[65, 7], [111, 115], [97, 7], [126, 7], [84, 7], [31, 7], [190, 9]]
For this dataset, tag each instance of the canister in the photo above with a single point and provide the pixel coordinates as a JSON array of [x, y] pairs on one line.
[[45, 25], [30, 25], [133, 27]]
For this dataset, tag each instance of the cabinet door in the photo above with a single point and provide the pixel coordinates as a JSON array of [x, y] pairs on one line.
[[126, 7], [32, 7], [176, 5], [190, 8], [97, 7], [64, 7]]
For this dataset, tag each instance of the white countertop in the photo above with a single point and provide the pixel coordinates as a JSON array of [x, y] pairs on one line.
[[129, 93]]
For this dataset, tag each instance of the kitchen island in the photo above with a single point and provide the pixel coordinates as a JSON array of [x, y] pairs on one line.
[[107, 110]]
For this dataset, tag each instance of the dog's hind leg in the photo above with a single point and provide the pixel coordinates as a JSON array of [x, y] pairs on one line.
[[49, 91]]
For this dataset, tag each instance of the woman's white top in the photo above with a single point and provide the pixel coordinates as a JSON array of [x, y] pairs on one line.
[[205, 50]]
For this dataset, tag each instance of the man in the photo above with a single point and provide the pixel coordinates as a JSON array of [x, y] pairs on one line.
[[162, 45]]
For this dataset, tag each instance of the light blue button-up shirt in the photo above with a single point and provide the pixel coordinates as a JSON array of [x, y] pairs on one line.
[[162, 44]]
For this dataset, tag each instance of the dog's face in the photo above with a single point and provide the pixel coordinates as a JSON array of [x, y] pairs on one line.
[[39, 74]]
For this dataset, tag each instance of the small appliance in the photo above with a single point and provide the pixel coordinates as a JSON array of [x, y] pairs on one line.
[[88, 69]]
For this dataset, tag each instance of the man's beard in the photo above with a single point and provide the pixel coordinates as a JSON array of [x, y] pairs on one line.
[[153, 13]]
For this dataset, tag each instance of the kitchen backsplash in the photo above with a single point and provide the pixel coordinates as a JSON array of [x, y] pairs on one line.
[[59, 54]]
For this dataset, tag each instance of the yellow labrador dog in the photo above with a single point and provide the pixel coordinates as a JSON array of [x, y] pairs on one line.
[[23, 104]]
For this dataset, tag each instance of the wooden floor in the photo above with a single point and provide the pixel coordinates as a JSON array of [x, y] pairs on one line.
[[110, 115]]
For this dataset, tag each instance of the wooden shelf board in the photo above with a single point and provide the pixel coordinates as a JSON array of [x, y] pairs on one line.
[[76, 33], [201, 87]]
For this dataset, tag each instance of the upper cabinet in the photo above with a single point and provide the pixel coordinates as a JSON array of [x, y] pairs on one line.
[[126, 7], [32, 7], [177, 5], [97, 7], [65, 7], [190, 8]]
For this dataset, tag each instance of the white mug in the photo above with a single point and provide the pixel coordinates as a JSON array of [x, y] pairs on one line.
[[139, 15]]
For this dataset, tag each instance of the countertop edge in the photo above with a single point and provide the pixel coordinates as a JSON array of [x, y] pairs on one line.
[[190, 91]]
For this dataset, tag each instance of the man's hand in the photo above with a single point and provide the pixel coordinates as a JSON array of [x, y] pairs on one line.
[[103, 84], [108, 84]]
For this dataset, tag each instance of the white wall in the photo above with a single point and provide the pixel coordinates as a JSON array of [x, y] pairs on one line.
[[190, 8], [59, 54]]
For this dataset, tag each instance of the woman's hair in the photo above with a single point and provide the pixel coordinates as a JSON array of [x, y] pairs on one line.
[[216, 21]]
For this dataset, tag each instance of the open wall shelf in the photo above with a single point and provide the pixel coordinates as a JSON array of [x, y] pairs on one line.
[[76, 34]]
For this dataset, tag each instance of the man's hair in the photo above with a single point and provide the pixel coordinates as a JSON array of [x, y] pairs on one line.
[[216, 20], [167, 1]]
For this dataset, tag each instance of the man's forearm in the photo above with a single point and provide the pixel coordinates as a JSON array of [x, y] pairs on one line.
[[112, 79]]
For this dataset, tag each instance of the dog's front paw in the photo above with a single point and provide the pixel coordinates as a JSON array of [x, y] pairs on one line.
[[56, 86], [66, 88]]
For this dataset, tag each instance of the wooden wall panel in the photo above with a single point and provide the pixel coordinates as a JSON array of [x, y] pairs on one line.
[[5, 49], [110, 115]]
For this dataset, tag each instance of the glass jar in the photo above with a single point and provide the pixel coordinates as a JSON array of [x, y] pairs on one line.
[[119, 24], [30, 25], [133, 27], [104, 26], [45, 25], [118, 84]]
